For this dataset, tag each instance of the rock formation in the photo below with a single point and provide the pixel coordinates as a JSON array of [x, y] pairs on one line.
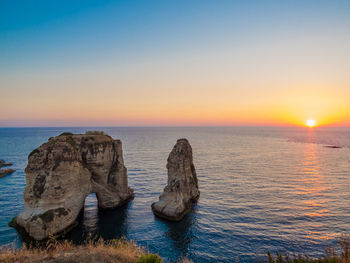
[[182, 189], [3, 163], [4, 172], [62, 172]]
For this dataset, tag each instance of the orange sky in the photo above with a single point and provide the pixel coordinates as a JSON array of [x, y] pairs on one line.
[[241, 68]]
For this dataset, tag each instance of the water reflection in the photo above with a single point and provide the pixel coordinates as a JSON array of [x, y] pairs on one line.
[[311, 182], [95, 223], [312, 189], [258, 203], [181, 233], [113, 223]]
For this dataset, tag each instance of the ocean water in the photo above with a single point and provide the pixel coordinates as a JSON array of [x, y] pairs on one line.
[[262, 189]]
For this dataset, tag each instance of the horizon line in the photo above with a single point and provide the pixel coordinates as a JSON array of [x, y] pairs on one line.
[[182, 126]]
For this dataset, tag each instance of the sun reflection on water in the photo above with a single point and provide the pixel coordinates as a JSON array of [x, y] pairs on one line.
[[311, 185]]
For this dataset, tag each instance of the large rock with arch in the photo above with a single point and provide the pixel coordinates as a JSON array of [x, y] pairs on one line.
[[62, 172]]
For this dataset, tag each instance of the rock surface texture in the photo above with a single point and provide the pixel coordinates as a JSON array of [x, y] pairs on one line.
[[182, 189], [62, 172]]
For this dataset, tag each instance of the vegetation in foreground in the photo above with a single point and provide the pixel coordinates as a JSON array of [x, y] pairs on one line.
[[122, 251], [114, 251], [338, 254]]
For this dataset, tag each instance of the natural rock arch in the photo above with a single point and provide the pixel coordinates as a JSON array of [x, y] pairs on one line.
[[60, 175]]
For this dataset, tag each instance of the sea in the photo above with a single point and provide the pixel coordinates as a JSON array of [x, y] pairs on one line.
[[263, 189]]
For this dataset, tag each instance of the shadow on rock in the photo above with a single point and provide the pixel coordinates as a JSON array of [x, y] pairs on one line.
[[106, 224]]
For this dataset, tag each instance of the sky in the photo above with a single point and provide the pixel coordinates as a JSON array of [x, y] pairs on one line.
[[174, 63]]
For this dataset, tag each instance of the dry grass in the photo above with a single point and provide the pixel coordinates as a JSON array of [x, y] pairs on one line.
[[338, 254], [63, 252], [100, 251], [122, 251], [185, 260], [95, 133]]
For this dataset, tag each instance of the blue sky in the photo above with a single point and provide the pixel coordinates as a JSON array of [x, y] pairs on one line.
[[66, 31], [159, 43]]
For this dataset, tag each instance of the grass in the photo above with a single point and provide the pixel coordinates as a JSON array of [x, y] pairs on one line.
[[122, 251], [149, 258], [100, 251], [338, 254], [95, 133], [114, 251], [66, 134]]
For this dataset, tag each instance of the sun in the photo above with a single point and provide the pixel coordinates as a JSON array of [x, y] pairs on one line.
[[310, 123]]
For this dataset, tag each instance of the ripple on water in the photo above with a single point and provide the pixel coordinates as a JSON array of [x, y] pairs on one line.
[[262, 189]]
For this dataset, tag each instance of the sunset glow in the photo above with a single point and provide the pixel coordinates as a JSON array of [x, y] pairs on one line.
[[56, 68], [243, 106], [311, 123]]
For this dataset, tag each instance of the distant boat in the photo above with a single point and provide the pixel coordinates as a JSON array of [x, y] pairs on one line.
[[333, 146]]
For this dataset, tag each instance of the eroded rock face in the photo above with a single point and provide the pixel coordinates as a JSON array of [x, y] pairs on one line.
[[182, 189], [62, 172]]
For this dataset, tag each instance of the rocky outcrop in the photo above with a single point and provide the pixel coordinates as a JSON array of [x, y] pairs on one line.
[[4, 172], [182, 189], [3, 163], [62, 172]]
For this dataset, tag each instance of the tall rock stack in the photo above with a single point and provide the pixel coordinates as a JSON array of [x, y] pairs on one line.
[[182, 189], [63, 172]]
